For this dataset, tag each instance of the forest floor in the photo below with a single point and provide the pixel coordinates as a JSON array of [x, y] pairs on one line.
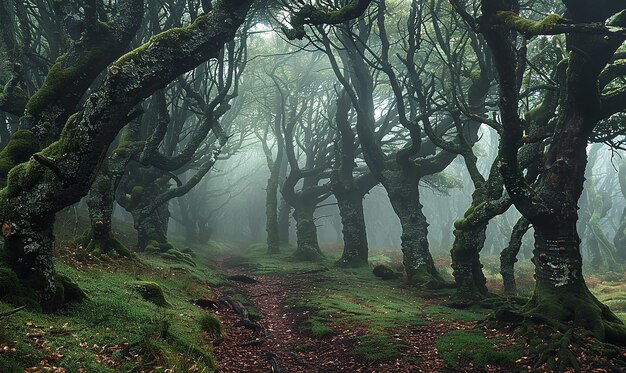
[[303, 317], [317, 318]]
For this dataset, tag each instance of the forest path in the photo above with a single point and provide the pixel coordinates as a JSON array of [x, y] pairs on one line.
[[273, 297]]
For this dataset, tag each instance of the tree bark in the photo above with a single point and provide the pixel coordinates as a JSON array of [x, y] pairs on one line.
[[283, 223], [271, 213], [27, 250], [404, 196], [99, 237], [508, 256], [355, 247], [551, 206], [467, 269], [151, 226], [560, 291], [308, 248]]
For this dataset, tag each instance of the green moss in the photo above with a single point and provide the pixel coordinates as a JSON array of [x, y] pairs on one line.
[[113, 247], [72, 292], [23, 177], [136, 195], [171, 37], [166, 246], [210, 324], [22, 145], [315, 327], [441, 313], [463, 348], [105, 327], [14, 292], [475, 75], [527, 26], [152, 292], [128, 146], [103, 185], [68, 68], [176, 255], [379, 348]]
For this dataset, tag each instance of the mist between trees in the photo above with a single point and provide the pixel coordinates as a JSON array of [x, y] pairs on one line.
[[438, 133]]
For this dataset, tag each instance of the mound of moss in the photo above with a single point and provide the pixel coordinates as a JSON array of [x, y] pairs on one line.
[[212, 325], [109, 246], [461, 348], [152, 292], [169, 252], [14, 292], [18, 293]]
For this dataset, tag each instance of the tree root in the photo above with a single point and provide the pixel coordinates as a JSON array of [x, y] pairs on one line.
[[554, 342], [108, 246], [557, 351], [276, 368]]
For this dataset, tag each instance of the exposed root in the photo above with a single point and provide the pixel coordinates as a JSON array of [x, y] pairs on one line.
[[99, 246], [428, 279], [557, 341]]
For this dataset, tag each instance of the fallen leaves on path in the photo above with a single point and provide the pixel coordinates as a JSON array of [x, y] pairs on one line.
[[296, 352]]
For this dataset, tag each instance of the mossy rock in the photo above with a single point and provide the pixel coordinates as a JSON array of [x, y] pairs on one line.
[[152, 292], [384, 272]]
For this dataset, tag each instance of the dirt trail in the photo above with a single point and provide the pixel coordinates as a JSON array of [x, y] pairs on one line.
[[296, 352]]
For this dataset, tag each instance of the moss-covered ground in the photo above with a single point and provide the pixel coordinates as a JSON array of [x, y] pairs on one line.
[[353, 301], [125, 325]]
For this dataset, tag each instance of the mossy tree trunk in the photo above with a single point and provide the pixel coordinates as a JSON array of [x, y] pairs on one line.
[[284, 212], [308, 248], [488, 201], [349, 189], [551, 205], [271, 214], [619, 240], [99, 238], [151, 225], [355, 247], [62, 173], [191, 221], [28, 251], [399, 171], [403, 191], [466, 265], [314, 141], [276, 166], [560, 291], [508, 256]]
